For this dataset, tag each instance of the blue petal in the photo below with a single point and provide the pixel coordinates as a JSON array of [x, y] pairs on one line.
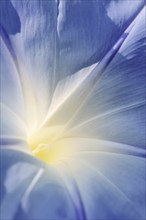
[[115, 110], [12, 103], [105, 183], [9, 18], [10, 83], [30, 190], [111, 185], [66, 36], [88, 29]]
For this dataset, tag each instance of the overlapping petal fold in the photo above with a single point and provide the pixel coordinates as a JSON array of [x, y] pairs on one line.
[[112, 186], [31, 190], [116, 108]]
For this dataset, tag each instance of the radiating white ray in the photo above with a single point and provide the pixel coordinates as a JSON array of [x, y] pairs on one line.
[[104, 115], [18, 118]]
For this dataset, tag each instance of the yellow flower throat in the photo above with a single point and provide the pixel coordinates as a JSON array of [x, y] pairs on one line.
[[43, 146]]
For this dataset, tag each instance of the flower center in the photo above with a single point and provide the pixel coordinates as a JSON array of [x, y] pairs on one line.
[[43, 145]]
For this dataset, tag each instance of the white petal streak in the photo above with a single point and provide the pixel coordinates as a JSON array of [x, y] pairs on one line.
[[107, 114], [30, 188], [18, 118], [78, 146]]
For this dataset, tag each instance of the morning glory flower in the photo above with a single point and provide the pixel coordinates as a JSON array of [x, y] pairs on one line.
[[72, 110]]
